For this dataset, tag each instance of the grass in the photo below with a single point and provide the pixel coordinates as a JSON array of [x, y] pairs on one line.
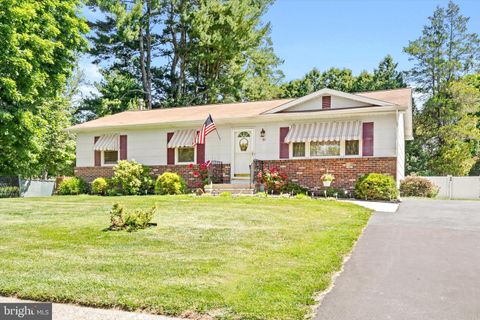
[[232, 258]]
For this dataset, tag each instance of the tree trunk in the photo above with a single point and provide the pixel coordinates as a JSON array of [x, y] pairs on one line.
[[149, 54], [147, 95]]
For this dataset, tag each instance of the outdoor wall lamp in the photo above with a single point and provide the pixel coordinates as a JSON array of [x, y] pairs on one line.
[[262, 134]]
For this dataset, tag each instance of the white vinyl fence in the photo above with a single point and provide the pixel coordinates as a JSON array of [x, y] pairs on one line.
[[36, 188], [457, 187]]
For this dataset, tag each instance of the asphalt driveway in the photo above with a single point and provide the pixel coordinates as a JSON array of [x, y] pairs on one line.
[[422, 262]]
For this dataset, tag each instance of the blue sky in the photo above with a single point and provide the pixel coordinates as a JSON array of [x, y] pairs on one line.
[[343, 33]]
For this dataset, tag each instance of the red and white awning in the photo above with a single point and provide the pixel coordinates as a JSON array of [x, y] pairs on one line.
[[324, 131], [182, 138], [107, 142]]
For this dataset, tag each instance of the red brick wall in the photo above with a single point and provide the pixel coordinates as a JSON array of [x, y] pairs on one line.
[[307, 172], [219, 172]]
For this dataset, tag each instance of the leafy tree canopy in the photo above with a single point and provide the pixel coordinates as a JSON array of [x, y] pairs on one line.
[[38, 42], [184, 52], [446, 126], [385, 76]]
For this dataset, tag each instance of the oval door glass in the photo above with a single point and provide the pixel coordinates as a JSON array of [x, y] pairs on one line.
[[243, 140]]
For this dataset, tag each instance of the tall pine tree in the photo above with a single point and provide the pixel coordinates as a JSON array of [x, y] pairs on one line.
[[443, 130]]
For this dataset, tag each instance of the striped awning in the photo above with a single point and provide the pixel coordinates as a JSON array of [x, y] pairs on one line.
[[107, 142], [182, 138], [324, 131]]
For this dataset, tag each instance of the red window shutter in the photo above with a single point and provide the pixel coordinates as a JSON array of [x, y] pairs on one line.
[[283, 146], [367, 139], [326, 102], [200, 153], [97, 154], [170, 151], [123, 147]]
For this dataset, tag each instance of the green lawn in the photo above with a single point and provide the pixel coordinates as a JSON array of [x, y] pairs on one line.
[[234, 258]]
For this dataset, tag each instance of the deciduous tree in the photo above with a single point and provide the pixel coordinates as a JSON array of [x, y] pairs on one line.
[[38, 45]]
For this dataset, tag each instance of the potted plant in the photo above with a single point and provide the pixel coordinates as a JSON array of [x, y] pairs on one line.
[[327, 179]]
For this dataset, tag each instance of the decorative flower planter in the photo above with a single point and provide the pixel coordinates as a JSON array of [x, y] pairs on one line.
[[327, 179]]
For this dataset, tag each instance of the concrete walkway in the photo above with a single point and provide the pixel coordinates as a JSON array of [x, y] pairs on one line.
[[376, 205], [420, 263], [62, 311]]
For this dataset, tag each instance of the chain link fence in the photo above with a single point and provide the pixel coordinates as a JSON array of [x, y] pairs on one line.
[[9, 187]]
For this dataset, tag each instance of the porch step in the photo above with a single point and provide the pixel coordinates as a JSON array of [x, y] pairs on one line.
[[241, 180], [236, 188]]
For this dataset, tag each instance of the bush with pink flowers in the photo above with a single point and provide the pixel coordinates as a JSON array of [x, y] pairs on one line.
[[200, 172], [272, 179]]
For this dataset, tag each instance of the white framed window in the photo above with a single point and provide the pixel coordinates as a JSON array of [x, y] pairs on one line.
[[185, 155], [352, 147], [326, 149], [298, 149], [110, 157]]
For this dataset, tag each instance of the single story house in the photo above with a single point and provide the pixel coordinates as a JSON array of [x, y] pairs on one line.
[[327, 131]]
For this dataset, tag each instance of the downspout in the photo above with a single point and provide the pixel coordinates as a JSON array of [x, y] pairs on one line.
[[397, 145]]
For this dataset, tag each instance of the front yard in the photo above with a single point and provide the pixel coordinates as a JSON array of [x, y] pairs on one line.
[[248, 258]]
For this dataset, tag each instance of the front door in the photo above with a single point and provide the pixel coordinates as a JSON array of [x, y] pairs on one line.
[[243, 152]]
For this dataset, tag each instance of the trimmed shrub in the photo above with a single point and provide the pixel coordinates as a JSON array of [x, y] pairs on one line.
[[121, 219], [376, 186], [131, 178], [72, 186], [170, 183], [99, 186], [414, 186], [294, 188]]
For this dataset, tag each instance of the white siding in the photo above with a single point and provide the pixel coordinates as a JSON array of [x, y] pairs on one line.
[[150, 146], [219, 148], [85, 154], [336, 102], [384, 135], [147, 146]]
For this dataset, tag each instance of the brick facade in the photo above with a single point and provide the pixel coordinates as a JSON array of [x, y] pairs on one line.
[[307, 172], [219, 172]]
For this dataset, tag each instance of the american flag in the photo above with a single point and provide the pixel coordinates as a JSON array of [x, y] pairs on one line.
[[208, 126]]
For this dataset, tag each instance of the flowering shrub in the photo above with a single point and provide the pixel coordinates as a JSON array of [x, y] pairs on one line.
[[201, 172], [131, 178], [273, 179]]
